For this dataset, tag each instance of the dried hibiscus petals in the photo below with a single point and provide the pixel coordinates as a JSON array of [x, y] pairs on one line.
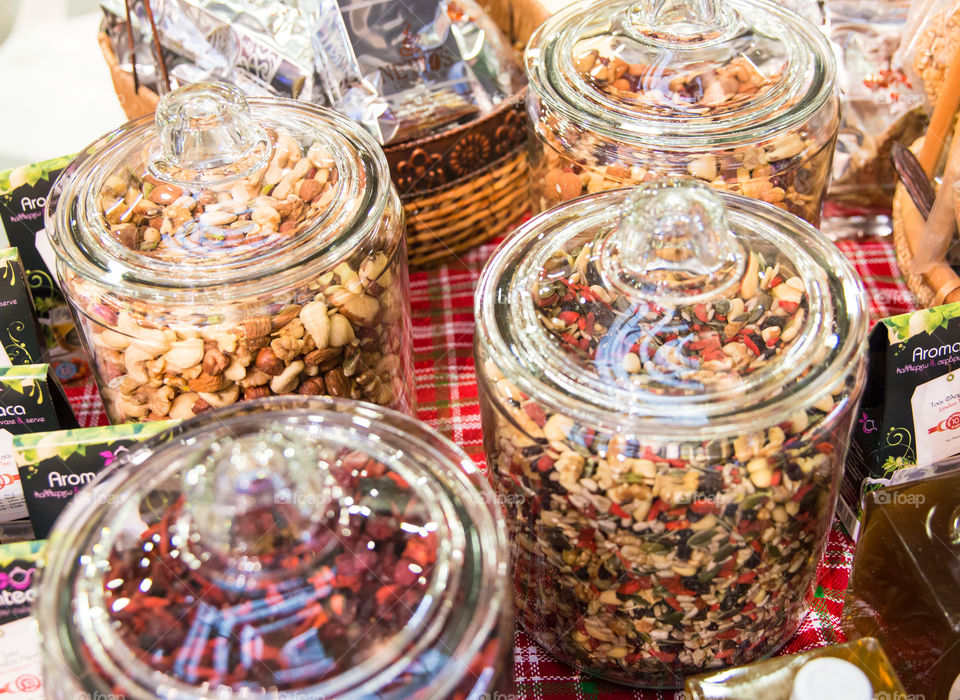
[[323, 605]]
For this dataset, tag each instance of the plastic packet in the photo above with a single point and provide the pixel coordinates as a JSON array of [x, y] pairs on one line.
[[402, 68], [262, 46], [931, 35], [405, 68], [882, 105]]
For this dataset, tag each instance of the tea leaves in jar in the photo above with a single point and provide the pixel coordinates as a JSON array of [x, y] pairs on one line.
[[317, 545]]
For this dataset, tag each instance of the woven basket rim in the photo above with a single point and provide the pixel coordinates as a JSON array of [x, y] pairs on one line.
[[460, 181], [425, 141]]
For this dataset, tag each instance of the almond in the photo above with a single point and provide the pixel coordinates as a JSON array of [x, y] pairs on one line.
[[206, 383], [310, 190]]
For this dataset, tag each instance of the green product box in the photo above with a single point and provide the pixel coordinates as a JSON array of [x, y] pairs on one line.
[[56, 468]]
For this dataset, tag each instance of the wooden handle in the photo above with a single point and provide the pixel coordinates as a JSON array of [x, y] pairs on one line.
[[939, 276], [942, 119]]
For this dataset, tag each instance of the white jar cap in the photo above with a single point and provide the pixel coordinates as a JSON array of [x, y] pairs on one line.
[[830, 677]]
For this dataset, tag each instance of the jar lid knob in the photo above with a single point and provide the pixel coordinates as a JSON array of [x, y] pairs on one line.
[[673, 245], [207, 136], [249, 498], [681, 21]]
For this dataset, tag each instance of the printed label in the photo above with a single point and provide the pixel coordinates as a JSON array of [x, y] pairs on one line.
[[23, 194], [936, 418], [13, 506], [19, 564], [21, 673]]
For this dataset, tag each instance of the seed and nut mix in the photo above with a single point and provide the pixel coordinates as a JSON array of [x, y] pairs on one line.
[[789, 170], [341, 333], [642, 559]]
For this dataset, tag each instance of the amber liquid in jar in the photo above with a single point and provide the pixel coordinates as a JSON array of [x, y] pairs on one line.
[[774, 679], [903, 588]]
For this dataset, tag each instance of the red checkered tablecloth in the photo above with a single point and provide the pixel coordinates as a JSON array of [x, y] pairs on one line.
[[442, 302]]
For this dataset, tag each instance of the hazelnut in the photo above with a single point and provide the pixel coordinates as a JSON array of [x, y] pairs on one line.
[[313, 386], [165, 194], [268, 363]]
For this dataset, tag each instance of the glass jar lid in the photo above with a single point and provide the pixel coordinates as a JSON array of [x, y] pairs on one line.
[[283, 548], [681, 74], [215, 191], [672, 306]]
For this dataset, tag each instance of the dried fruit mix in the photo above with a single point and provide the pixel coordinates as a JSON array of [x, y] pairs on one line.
[[283, 546]]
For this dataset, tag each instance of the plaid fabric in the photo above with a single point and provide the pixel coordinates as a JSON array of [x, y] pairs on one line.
[[876, 262], [442, 303]]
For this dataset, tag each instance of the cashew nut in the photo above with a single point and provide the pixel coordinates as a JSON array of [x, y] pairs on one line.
[[224, 397], [315, 320], [287, 380], [182, 406], [235, 371], [185, 353], [135, 359]]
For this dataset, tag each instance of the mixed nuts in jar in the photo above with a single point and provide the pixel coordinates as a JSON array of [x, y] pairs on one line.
[[737, 93], [233, 251], [667, 396], [291, 547]]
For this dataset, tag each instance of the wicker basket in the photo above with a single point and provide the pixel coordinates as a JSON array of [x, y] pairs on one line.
[[940, 283], [924, 292], [459, 187], [445, 223]]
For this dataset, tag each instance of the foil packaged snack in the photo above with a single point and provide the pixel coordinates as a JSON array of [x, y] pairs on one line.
[[402, 69], [262, 47], [882, 104]]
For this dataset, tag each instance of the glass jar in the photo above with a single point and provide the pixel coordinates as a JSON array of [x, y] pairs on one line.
[[666, 401], [232, 251], [738, 93], [291, 547], [905, 577], [838, 671]]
